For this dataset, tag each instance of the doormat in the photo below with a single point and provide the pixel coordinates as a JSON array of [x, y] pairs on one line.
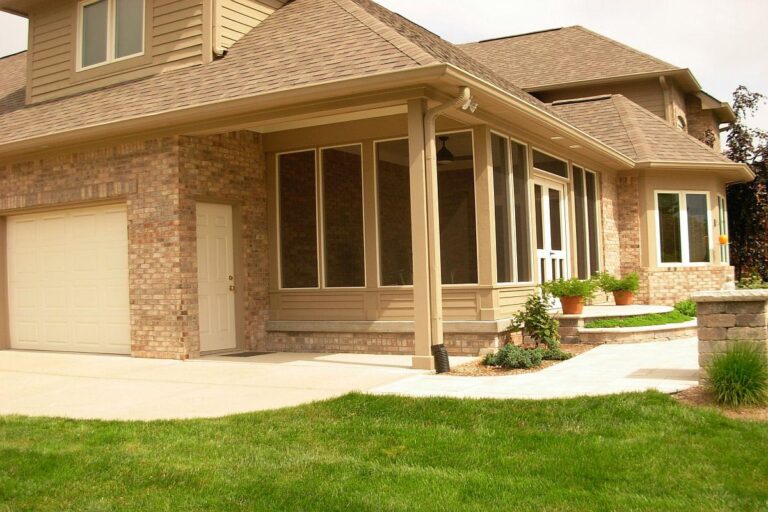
[[249, 354]]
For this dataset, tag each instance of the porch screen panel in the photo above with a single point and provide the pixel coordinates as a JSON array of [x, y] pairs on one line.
[[343, 235], [580, 206], [550, 164], [555, 221], [698, 227], [501, 196], [298, 220], [722, 209], [394, 202], [522, 209], [456, 191], [669, 228], [592, 212]]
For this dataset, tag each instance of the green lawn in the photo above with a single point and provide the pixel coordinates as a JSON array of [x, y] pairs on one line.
[[673, 317], [356, 453]]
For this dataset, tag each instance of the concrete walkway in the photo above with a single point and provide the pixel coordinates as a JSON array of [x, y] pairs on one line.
[[121, 388], [668, 367]]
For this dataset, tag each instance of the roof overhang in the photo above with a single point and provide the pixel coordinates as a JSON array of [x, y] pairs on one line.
[[732, 172], [22, 7]]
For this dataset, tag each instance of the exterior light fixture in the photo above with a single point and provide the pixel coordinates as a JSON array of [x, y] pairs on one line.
[[444, 156]]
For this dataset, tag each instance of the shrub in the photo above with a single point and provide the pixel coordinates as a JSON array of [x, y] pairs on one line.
[[686, 307], [754, 282], [556, 355], [570, 288], [739, 376], [514, 357], [673, 317], [535, 322], [610, 284]]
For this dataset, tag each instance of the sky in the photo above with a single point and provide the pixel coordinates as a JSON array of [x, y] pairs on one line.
[[722, 41]]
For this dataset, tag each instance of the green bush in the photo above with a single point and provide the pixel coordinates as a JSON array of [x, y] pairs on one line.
[[556, 355], [610, 284], [570, 288], [535, 322], [673, 317], [686, 307], [754, 282], [739, 376], [514, 357]]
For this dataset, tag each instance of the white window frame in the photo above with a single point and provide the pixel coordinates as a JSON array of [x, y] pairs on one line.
[[684, 245], [510, 182], [722, 219], [111, 33]]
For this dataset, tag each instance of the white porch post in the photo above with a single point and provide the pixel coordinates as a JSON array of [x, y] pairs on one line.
[[425, 233]]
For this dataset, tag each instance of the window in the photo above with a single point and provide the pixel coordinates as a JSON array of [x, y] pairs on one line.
[[343, 236], [297, 196], [393, 189], [110, 30], [550, 164], [510, 185], [722, 208], [587, 236], [683, 227], [456, 203], [681, 124]]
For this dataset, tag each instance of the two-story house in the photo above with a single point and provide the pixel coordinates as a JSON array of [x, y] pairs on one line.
[[182, 177]]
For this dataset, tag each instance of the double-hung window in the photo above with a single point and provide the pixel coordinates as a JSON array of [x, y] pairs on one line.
[[683, 227], [110, 30]]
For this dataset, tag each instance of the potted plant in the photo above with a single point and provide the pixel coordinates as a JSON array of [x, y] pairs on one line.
[[573, 293], [623, 289]]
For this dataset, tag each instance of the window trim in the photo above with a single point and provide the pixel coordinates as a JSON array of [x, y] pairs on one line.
[[513, 216], [111, 34], [321, 217], [598, 219], [684, 243], [722, 221]]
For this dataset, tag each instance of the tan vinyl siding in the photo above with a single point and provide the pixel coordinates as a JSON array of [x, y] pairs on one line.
[[511, 300], [235, 18], [174, 37], [646, 93]]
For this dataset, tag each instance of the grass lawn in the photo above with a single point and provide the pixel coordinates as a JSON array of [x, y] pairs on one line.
[[673, 317], [627, 452]]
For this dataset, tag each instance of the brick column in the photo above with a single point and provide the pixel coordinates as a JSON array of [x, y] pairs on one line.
[[727, 317]]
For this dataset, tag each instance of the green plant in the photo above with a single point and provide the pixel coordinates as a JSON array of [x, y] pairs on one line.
[[514, 357], [609, 283], [570, 288], [686, 307], [535, 322], [739, 376], [556, 355], [673, 317], [753, 282]]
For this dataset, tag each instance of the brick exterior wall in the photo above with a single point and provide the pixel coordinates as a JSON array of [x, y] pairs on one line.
[[666, 286], [159, 181], [628, 191], [610, 222], [379, 343]]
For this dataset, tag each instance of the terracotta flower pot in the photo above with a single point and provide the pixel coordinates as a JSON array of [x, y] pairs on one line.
[[623, 298], [572, 305]]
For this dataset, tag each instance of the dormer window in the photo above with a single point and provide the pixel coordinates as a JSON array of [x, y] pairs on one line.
[[110, 30]]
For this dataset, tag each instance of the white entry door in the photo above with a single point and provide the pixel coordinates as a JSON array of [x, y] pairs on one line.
[[551, 230], [216, 277], [68, 280]]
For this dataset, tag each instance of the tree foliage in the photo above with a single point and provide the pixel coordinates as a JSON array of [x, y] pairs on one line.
[[748, 202]]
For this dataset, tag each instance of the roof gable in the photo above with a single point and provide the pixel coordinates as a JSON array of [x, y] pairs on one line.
[[562, 56]]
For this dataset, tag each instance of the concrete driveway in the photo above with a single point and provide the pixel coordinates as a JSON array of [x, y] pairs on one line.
[[121, 388]]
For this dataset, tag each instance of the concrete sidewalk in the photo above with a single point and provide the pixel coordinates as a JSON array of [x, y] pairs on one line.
[[668, 366], [121, 388]]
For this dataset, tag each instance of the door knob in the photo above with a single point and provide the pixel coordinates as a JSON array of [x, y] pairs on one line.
[[232, 288]]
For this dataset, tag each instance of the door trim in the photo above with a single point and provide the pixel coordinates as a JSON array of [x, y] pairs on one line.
[[563, 188]]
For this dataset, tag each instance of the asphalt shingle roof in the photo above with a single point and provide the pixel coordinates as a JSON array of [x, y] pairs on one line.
[[561, 56]]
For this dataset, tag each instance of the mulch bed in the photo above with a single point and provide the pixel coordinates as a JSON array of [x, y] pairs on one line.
[[700, 397], [476, 368]]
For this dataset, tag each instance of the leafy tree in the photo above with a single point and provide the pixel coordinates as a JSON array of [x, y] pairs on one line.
[[748, 202]]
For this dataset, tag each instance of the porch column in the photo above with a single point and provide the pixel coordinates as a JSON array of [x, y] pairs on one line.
[[425, 233], [486, 223]]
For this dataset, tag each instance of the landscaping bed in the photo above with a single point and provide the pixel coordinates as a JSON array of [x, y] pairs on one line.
[[699, 396], [478, 368], [653, 319], [633, 452]]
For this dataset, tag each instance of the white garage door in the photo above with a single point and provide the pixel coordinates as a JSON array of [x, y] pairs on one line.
[[68, 280]]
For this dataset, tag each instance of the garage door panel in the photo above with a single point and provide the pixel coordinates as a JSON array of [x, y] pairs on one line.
[[68, 280]]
